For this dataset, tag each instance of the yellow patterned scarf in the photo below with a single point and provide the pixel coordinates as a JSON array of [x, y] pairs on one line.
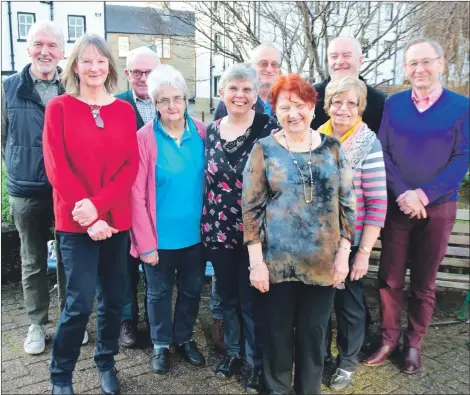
[[327, 128]]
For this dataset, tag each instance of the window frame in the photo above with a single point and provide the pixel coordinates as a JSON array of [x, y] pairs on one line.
[[216, 85], [389, 12], [160, 43], [121, 55], [72, 40], [388, 45], [365, 43], [21, 13]]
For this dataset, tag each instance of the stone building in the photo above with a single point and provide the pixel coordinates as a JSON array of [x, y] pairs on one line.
[[131, 27]]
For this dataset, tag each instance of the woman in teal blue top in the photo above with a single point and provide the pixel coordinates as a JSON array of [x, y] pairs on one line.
[[167, 208]]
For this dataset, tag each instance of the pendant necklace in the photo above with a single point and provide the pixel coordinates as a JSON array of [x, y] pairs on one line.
[[308, 199], [95, 111]]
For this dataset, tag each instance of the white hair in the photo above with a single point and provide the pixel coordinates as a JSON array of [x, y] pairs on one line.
[[354, 41], [164, 74], [421, 40], [140, 51], [255, 51], [49, 26], [239, 72]]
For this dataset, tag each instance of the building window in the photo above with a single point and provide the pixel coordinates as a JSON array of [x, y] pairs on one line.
[[217, 42], [365, 47], [365, 9], [77, 27], [25, 21], [163, 45], [388, 45], [388, 11], [123, 46], [216, 86]]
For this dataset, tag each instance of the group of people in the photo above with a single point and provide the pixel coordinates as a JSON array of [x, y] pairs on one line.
[[286, 192]]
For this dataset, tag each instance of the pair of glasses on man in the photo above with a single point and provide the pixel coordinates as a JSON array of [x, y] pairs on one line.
[[137, 74], [413, 64], [264, 64], [177, 100], [349, 103]]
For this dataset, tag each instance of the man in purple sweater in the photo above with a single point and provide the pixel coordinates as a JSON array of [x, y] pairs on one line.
[[425, 140]]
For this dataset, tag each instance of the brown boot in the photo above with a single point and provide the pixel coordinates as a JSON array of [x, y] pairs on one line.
[[380, 356], [218, 335], [412, 362]]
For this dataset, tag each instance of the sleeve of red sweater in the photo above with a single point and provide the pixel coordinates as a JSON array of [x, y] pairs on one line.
[[395, 182], [108, 196], [57, 166]]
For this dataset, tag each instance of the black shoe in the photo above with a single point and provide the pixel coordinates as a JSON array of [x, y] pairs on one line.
[[62, 389], [191, 354], [329, 361], [160, 362], [128, 336], [254, 381], [340, 380], [228, 367], [109, 382]]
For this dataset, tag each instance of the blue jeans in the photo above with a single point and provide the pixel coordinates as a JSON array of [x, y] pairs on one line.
[[130, 311], [216, 303], [236, 293], [89, 265], [189, 265]]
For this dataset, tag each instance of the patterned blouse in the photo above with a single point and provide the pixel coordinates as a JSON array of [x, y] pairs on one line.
[[221, 222], [299, 240]]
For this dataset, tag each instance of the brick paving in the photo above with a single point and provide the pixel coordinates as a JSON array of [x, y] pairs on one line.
[[445, 357]]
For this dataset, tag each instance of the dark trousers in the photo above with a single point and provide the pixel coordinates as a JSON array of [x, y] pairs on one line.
[[130, 311], [89, 265], [189, 265], [351, 318], [33, 219], [419, 244], [306, 308], [236, 294]]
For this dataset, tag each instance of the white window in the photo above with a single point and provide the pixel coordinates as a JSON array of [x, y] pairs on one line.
[[163, 45], [217, 42], [77, 27], [365, 47], [388, 47], [123, 46], [388, 11], [25, 21]]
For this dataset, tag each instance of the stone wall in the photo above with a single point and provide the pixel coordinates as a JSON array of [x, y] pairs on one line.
[[183, 56]]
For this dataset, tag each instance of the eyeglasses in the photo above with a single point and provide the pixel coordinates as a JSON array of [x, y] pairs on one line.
[[264, 64], [165, 102], [413, 64], [235, 90], [137, 74], [349, 104]]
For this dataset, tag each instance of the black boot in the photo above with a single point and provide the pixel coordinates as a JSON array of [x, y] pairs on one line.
[[160, 362], [228, 367], [128, 337], [191, 354], [254, 381], [109, 382]]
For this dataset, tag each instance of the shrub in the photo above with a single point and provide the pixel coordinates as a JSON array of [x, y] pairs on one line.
[[6, 217]]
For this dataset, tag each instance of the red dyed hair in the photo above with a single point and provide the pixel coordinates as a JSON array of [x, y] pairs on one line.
[[293, 83]]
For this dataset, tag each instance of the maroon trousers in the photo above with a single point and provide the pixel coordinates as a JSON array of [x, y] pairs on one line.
[[419, 244]]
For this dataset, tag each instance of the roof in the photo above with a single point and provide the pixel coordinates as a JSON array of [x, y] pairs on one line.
[[148, 20]]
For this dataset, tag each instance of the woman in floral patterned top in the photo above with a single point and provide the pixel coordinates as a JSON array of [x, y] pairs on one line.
[[299, 212], [228, 144]]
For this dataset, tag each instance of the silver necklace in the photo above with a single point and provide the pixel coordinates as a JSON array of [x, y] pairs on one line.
[[302, 177], [95, 111]]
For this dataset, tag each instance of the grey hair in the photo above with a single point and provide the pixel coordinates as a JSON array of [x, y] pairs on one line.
[[49, 26], [255, 51], [71, 82], [239, 71], [164, 74], [354, 41], [344, 84], [420, 40], [140, 51]]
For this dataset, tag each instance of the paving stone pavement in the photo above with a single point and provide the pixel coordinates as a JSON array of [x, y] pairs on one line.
[[445, 357]]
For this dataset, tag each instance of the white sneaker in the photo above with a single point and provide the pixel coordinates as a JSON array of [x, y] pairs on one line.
[[85, 338], [35, 342]]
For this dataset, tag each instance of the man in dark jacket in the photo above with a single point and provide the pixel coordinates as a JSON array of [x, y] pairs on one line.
[[345, 60], [25, 96], [140, 63]]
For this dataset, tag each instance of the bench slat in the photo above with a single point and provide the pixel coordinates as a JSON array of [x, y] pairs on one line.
[[459, 240], [447, 261], [461, 228], [463, 215], [461, 252]]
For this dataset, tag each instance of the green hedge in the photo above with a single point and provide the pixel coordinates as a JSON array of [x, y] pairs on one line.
[[6, 218]]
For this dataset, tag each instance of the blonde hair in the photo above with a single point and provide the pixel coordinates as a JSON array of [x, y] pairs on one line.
[[342, 85], [70, 80]]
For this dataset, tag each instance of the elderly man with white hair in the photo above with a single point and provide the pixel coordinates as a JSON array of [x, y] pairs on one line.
[[140, 63], [345, 60], [25, 96]]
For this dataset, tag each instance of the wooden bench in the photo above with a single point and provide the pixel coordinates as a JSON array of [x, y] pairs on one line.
[[454, 271]]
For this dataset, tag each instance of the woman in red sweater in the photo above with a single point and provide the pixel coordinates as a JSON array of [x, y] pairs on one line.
[[91, 159]]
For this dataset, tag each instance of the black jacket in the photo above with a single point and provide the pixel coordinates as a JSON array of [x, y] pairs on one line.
[[372, 115], [129, 97], [24, 161]]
